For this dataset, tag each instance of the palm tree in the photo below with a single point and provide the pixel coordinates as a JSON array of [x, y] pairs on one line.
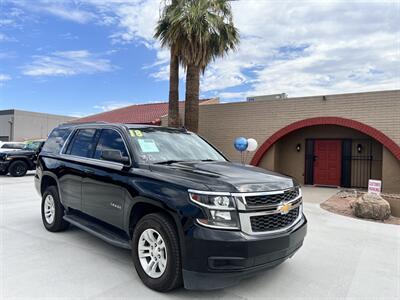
[[201, 31], [162, 28]]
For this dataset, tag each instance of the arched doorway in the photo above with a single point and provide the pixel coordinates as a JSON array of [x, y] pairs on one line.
[[327, 151]]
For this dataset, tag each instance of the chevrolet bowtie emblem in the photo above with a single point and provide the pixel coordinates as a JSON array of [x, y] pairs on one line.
[[284, 208]]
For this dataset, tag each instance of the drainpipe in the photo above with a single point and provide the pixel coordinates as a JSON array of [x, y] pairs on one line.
[[11, 121]]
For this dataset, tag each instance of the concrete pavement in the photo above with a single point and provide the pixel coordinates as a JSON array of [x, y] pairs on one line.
[[342, 258]]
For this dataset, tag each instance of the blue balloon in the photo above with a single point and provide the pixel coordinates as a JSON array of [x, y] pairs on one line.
[[241, 144]]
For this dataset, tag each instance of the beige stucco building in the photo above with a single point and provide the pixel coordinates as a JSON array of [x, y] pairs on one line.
[[20, 125], [339, 140]]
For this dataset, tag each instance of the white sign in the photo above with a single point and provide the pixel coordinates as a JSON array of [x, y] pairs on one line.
[[374, 186]]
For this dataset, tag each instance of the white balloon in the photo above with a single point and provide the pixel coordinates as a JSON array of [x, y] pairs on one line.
[[251, 145]]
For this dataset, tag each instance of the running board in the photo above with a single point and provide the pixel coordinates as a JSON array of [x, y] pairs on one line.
[[98, 230]]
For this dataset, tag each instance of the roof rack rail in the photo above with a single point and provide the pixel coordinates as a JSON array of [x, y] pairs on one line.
[[83, 123]]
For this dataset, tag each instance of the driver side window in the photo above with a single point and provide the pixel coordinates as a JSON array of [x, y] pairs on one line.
[[110, 140]]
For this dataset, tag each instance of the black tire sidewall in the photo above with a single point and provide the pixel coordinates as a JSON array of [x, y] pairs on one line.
[[59, 223], [172, 274], [14, 164]]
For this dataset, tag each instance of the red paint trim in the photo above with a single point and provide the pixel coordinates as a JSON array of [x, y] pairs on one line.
[[372, 132]]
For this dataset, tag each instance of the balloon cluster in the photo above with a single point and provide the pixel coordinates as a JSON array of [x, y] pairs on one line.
[[242, 144]]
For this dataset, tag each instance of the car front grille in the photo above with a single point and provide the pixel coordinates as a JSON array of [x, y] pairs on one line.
[[274, 199], [273, 222]]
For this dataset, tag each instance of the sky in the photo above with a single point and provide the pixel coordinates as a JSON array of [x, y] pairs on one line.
[[81, 57]]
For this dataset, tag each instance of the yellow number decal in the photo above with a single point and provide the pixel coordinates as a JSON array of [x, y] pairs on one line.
[[138, 133]]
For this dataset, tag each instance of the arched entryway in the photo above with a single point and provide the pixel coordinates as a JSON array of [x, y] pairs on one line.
[[327, 151]]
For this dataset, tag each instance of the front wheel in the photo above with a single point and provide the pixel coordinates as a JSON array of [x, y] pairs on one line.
[[155, 251]]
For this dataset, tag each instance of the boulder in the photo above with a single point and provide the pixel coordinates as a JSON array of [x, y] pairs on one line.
[[371, 206]]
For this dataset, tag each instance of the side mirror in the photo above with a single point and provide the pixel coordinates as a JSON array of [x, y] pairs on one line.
[[114, 156]]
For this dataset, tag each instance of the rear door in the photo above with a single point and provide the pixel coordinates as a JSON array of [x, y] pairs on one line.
[[78, 151], [103, 186]]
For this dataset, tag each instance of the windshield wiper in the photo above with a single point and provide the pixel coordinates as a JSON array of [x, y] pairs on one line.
[[167, 162]]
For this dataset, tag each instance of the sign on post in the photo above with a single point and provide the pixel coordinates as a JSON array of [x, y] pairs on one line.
[[374, 186]]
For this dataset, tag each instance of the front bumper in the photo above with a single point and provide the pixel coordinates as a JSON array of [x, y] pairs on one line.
[[218, 258], [4, 165]]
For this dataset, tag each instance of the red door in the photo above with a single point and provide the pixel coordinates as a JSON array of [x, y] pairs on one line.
[[327, 164]]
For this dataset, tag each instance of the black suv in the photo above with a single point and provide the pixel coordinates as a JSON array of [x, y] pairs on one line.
[[18, 162], [188, 215]]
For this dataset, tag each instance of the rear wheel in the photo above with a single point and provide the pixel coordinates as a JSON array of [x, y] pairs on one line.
[[155, 251], [18, 168], [53, 211], [3, 172]]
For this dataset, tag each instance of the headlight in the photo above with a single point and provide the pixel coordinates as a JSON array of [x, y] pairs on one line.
[[220, 209]]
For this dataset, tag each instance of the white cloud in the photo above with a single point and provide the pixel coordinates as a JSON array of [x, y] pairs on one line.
[[4, 78], [66, 63]]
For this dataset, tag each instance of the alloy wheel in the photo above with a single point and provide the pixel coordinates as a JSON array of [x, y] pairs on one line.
[[49, 209], [152, 253]]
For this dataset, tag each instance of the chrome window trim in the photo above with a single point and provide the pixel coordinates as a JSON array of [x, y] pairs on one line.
[[94, 162], [67, 140], [246, 224]]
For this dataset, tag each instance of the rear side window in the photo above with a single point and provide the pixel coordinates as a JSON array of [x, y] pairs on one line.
[[83, 143], [56, 140], [110, 140]]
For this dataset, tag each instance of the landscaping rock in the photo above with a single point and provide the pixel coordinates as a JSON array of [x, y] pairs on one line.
[[371, 206]]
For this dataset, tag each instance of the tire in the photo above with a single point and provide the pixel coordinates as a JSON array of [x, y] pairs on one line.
[[18, 168], [53, 211], [171, 277], [4, 172]]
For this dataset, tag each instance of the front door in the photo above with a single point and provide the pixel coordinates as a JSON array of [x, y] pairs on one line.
[[327, 163]]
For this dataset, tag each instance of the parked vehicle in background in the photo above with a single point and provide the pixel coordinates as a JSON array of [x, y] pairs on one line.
[[18, 162], [188, 215], [10, 146]]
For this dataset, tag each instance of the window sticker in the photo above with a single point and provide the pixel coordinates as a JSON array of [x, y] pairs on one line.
[[132, 132], [148, 146]]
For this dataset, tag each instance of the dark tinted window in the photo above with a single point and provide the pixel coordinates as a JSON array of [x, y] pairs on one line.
[[110, 140], [56, 140], [83, 143]]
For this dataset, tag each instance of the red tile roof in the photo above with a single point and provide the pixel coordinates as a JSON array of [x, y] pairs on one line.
[[150, 113]]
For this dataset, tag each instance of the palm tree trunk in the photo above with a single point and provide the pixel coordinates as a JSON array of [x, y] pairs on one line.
[[192, 98], [173, 105]]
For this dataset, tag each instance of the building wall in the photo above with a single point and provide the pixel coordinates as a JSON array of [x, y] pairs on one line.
[[5, 116], [31, 125], [222, 123], [390, 172]]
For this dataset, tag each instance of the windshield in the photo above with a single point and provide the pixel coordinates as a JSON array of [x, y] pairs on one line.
[[154, 145], [31, 146]]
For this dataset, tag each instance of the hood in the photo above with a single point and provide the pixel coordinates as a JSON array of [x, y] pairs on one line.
[[227, 176]]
